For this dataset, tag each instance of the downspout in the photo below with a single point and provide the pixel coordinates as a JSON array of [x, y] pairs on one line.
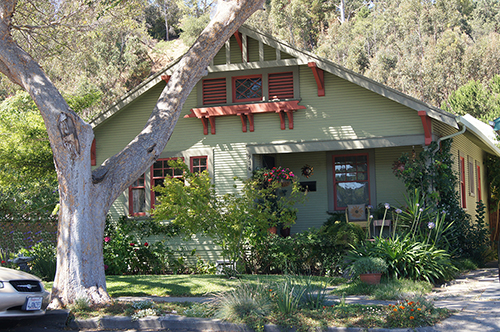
[[464, 128]]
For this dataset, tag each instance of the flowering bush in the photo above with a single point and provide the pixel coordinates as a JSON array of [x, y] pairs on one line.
[[279, 174], [406, 313]]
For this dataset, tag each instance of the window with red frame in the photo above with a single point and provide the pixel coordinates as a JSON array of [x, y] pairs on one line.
[[137, 197], [198, 164], [159, 171], [351, 180], [247, 88], [463, 197], [478, 182]]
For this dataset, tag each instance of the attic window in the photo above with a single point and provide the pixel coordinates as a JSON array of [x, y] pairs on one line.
[[214, 91], [281, 86], [247, 88]]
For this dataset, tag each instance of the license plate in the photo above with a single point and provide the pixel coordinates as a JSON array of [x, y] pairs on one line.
[[33, 303]]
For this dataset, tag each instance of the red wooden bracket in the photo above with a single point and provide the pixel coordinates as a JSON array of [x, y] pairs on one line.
[[211, 119], [166, 78], [250, 119], [204, 122], [239, 40], [319, 76], [243, 122], [93, 155], [427, 124], [282, 119], [290, 119]]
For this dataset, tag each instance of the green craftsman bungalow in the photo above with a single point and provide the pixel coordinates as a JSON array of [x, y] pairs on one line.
[[264, 103]]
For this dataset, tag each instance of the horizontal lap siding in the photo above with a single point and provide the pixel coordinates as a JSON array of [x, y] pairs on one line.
[[390, 189], [349, 111], [253, 50], [312, 213]]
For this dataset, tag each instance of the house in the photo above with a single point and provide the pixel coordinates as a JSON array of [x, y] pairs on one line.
[[265, 103]]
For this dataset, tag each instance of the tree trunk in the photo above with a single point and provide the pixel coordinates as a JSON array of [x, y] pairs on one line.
[[86, 196]]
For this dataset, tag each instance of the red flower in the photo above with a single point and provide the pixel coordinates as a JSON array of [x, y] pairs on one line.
[[3, 262], [107, 239], [146, 244], [132, 244]]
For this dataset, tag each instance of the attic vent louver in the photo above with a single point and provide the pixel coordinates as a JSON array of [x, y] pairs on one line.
[[214, 91], [281, 86]]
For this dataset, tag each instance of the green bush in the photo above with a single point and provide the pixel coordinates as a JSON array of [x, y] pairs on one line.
[[408, 258], [44, 261], [365, 265]]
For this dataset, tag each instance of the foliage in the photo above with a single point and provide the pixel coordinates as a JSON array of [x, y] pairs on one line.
[[412, 313], [388, 289], [407, 257], [231, 220], [125, 251], [15, 236], [244, 301], [43, 264], [364, 265], [432, 172]]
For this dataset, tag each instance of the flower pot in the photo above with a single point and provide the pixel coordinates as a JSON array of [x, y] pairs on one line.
[[285, 232], [371, 278]]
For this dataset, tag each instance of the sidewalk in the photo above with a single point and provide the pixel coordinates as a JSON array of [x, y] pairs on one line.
[[475, 295]]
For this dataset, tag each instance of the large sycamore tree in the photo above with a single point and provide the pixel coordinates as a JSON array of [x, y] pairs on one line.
[[86, 195]]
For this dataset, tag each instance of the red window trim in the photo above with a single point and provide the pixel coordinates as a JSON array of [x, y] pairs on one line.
[[233, 84], [93, 154], [463, 190], [335, 181], [153, 178], [191, 159], [478, 180], [131, 188]]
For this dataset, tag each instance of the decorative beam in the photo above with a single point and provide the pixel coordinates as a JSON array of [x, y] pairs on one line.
[[246, 113], [93, 155], [166, 78], [319, 76], [427, 124], [241, 43]]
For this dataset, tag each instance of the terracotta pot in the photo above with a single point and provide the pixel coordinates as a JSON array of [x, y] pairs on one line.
[[285, 232], [371, 278], [273, 230]]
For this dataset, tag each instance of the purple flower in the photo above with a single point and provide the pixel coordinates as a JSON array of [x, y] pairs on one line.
[[421, 210], [387, 206], [431, 225], [398, 211]]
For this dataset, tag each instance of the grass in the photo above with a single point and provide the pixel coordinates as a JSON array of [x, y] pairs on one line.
[[387, 290], [304, 317], [183, 285]]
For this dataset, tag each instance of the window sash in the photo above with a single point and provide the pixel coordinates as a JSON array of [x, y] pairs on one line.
[[137, 197], [247, 88], [351, 180]]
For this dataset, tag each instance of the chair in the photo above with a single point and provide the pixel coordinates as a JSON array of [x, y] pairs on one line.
[[356, 214]]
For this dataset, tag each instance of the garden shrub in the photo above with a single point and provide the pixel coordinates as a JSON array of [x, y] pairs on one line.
[[44, 261], [409, 258]]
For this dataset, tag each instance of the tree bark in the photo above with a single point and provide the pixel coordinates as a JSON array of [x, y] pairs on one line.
[[85, 195]]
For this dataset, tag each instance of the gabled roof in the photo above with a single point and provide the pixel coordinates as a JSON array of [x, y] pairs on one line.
[[300, 57]]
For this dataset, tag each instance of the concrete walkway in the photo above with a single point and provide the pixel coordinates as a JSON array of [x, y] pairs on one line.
[[475, 295]]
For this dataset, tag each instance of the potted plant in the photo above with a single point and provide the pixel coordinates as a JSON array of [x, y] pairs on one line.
[[369, 269]]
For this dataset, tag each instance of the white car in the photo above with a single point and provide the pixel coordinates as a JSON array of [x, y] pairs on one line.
[[21, 294]]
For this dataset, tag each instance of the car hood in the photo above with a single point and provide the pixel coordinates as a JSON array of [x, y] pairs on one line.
[[10, 274]]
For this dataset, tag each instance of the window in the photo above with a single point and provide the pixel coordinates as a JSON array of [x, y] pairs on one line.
[[462, 183], [478, 181], [198, 164], [471, 169], [159, 171], [214, 91], [351, 180], [137, 197], [247, 88]]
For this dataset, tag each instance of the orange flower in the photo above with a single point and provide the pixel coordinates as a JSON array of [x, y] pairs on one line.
[[401, 307], [419, 309], [411, 317], [412, 309], [395, 309]]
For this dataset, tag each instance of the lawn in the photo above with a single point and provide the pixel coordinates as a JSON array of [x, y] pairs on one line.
[[255, 294], [184, 285]]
